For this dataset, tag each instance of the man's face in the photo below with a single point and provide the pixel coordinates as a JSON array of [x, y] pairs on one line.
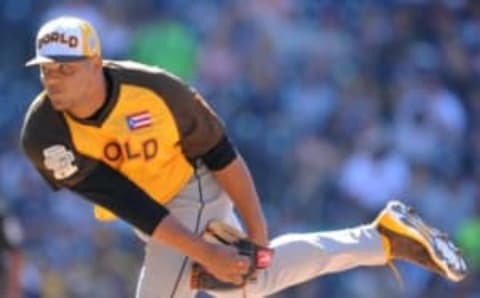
[[67, 83]]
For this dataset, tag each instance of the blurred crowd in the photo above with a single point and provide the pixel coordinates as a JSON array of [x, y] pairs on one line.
[[337, 106]]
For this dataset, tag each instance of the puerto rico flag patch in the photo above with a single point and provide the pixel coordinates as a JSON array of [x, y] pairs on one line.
[[139, 120]]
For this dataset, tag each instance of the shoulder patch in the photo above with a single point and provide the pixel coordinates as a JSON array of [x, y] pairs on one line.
[[60, 160]]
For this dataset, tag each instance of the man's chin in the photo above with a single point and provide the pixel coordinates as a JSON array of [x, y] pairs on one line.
[[58, 105]]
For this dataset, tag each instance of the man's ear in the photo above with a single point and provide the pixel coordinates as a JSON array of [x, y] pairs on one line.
[[97, 62]]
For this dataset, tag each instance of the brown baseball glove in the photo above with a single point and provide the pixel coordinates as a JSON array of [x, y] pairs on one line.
[[219, 232]]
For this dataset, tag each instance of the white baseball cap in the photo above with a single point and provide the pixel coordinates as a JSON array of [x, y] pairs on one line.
[[65, 39]]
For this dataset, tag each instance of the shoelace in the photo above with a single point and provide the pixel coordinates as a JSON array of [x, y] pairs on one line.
[[396, 274]]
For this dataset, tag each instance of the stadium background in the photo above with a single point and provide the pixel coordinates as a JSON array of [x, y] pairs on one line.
[[336, 105]]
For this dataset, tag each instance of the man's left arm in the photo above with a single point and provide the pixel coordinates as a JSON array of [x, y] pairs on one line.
[[203, 136], [237, 182]]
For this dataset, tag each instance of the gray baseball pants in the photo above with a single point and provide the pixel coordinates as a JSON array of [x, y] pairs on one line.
[[298, 257]]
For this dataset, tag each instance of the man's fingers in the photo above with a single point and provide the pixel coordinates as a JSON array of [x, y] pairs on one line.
[[236, 279], [242, 264]]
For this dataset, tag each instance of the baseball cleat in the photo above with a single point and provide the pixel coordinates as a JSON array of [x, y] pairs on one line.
[[411, 239]]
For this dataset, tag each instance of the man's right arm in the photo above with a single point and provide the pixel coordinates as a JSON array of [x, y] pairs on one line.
[[108, 188]]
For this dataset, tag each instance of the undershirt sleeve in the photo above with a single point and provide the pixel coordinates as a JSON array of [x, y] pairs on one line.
[[221, 155], [115, 192]]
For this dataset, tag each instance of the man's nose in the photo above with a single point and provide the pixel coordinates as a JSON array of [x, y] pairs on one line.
[[51, 82], [51, 78]]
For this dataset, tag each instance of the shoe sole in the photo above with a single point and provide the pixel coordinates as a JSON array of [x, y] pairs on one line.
[[404, 221]]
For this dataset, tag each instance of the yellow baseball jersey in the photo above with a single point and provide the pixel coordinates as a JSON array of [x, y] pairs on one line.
[[150, 130]]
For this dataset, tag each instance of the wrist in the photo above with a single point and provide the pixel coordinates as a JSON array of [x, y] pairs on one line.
[[259, 237], [200, 249]]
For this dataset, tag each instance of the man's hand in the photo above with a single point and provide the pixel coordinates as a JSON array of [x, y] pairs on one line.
[[231, 244], [225, 263], [222, 261]]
